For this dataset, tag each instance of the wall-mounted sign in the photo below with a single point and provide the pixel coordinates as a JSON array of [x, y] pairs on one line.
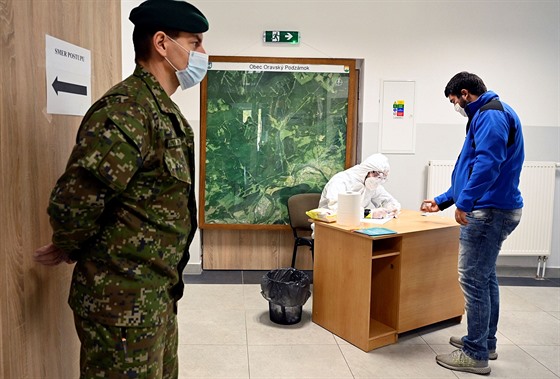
[[257, 66], [278, 36], [68, 77], [397, 130], [398, 109]]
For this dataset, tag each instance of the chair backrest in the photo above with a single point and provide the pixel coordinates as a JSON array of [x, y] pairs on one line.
[[298, 205]]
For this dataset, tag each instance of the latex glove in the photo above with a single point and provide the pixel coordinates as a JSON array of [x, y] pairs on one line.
[[379, 213], [393, 213]]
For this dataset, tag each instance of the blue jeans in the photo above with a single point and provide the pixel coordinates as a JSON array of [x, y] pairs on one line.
[[480, 242]]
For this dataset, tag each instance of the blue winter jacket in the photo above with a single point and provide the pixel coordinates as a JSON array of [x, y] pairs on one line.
[[486, 174]]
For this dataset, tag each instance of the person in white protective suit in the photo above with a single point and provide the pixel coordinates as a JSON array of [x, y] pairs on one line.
[[367, 179]]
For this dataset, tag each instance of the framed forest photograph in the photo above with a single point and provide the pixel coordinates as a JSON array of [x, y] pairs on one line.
[[271, 128]]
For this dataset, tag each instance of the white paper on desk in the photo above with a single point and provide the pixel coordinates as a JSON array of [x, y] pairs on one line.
[[378, 221]]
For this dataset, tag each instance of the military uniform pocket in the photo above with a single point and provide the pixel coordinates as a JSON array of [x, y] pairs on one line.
[[176, 164]]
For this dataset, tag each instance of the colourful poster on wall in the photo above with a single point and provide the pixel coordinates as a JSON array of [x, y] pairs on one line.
[[398, 109]]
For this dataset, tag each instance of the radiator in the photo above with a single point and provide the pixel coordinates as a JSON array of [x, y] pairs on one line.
[[533, 236]]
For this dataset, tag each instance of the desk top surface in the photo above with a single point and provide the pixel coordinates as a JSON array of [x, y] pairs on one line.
[[409, 221]]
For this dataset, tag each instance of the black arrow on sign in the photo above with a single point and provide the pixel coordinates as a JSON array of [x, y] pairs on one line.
[[69, 87]]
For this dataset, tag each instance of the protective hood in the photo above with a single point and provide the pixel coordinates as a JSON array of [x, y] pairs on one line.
[[375, 162]]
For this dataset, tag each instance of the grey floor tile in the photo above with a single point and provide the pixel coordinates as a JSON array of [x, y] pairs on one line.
[[253, 297], [210, 327], [513, 301], [394, 361], [212, 297], [547, 299], [297, 361], [213, 362], [262, 331], [548, 356], [530, 328]]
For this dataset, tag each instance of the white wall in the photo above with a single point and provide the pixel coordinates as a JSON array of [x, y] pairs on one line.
[[513, 45]]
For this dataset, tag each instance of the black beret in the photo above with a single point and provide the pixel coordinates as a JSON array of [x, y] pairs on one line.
[[169, 14]]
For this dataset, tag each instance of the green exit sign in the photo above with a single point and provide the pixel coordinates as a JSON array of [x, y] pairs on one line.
[[277, 36]]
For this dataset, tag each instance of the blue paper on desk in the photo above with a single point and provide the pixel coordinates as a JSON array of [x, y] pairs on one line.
[[375, 231]]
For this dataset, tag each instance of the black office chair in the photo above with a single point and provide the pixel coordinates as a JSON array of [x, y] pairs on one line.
[[297, 206]]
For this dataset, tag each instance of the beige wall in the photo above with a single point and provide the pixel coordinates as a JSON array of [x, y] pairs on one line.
[[38, 338]]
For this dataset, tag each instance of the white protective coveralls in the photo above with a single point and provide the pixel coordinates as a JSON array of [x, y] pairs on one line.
[[353, 179]]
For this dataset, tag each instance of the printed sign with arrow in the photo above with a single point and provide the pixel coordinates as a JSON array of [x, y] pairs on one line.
[[69, 87], [68, 69], [278, 36]]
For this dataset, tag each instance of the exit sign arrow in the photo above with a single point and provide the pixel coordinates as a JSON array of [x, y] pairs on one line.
[[69, 88], [280, 36]]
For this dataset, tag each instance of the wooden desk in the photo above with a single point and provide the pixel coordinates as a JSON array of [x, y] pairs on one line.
[[366, 290]]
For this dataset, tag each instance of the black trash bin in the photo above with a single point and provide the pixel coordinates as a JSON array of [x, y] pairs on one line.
[[286, 290]]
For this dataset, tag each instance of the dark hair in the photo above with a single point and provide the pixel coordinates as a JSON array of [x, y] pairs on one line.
[[465, 80], [142, 40]]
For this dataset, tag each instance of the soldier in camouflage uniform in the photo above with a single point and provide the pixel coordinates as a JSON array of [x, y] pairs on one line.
[[124, 210]]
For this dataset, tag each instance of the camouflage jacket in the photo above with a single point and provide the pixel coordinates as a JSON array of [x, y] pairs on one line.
[[124, 208]]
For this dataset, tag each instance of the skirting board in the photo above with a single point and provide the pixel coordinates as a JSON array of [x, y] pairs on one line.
[[193, 269]]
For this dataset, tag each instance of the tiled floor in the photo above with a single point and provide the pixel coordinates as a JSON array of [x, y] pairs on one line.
[[225, 332]]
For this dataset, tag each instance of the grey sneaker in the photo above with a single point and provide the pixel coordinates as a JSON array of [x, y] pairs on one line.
[[459, 361], [458, 342]]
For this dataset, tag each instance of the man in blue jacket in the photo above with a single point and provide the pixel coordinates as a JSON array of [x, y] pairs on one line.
[[485, 190]]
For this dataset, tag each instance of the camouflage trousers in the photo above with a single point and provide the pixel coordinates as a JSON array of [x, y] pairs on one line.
[[128, 352]]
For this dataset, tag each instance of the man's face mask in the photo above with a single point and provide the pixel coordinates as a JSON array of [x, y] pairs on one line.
[[460, 109], [460, 104], [195, 70]]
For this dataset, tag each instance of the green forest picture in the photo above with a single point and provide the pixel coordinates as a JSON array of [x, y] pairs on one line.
[[270, 135]]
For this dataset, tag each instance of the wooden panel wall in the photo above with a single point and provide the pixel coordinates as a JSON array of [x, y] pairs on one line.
[[228, 249], [38, 337]]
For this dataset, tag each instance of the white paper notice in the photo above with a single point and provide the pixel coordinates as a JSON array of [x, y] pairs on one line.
[[68, 77]]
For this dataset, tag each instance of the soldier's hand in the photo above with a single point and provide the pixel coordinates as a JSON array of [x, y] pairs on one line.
[[50, 255]]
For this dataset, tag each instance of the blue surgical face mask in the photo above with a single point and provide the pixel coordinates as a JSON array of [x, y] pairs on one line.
[[195, 70]]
